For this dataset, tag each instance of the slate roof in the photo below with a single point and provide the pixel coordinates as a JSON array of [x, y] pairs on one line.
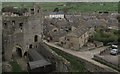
[[55, 13], [58, 33], [80, 31], [112, 21], [37, 59], [34, 55], [39, 63], [62, 24]]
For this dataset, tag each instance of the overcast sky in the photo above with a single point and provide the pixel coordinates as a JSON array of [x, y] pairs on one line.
[[59, 0]]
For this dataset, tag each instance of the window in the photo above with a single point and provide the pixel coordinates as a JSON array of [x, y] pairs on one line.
[[68, 39], [5, 24], [30, 46], [32, 11], [51, 23], [61, 42], [35, 38], [13, 21], [70, 29], [20, 25], [38, 11], [55, 30]]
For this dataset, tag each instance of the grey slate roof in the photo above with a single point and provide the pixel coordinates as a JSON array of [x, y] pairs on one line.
[[55, 13], [39, 63], [34, 55], [79, 32], [58, 33]]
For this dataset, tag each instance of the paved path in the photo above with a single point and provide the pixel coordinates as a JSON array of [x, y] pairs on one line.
[[87, 55]]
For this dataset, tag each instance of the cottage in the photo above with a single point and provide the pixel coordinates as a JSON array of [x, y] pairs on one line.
[[76, 39]]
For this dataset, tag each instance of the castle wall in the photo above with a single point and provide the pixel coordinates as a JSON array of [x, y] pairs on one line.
[[20, 31]]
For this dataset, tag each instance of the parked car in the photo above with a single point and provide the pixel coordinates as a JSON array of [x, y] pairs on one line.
[[114, 46], [114, 51]]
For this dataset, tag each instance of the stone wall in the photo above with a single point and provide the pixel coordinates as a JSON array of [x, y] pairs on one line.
[[99, 59], [61, 64], [91, 66], [12, 34]]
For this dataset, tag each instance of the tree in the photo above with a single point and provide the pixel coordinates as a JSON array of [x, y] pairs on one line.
[[119, 7], [56, 10]]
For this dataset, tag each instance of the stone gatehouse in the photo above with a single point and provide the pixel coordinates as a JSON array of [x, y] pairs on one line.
[[20, 32]]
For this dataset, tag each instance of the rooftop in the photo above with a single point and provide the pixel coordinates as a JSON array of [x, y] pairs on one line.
[[39, 63]]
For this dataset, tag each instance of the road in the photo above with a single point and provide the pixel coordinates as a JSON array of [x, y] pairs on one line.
[[87, 55]]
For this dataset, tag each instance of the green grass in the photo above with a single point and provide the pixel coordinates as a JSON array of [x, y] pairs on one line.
[[15, 66], [90, 7], [76, 65], [71, 7]]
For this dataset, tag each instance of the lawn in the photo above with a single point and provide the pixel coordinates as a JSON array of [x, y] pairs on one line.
[[70, 7]]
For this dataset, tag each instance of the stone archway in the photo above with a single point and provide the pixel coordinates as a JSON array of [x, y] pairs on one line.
[[17, 51]]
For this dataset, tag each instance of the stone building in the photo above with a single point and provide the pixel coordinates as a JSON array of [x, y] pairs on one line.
[[76, 39], [59, 15], [19, 33]]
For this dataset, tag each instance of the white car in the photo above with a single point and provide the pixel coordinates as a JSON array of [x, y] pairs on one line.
[[114, 51]]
